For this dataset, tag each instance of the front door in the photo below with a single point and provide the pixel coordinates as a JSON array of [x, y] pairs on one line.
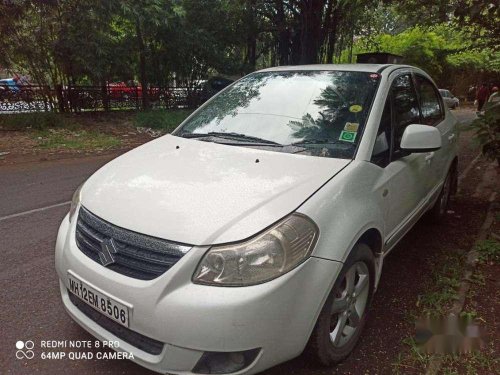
[[405, 177]]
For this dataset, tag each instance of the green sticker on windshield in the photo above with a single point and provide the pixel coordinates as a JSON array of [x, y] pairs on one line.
[[347, 136]]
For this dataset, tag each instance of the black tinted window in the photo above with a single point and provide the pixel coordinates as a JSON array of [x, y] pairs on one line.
[[429, 101], [406, 109]]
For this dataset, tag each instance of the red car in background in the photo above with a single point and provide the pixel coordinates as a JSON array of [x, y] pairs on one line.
[[124, 90], [130, 89]]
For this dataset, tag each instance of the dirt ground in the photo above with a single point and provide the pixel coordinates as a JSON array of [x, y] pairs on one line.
[[24, 146]]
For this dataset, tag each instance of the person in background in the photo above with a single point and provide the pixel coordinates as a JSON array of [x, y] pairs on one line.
[[482, 96], [494, 97]]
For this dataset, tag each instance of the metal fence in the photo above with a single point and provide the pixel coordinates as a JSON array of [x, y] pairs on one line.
[[94, 98]]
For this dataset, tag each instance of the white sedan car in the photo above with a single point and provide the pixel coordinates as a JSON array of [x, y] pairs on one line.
[[259, 228], [449, 99]]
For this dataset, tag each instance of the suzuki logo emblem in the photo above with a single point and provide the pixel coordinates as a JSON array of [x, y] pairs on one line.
[[108, 248]]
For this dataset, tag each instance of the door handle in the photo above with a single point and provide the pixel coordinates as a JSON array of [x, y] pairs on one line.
[[451, 137], [429, 157]]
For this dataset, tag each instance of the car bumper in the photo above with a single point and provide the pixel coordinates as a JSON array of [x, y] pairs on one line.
[[276, 317]]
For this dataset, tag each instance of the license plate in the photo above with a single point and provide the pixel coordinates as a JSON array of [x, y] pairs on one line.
[[99, 301]]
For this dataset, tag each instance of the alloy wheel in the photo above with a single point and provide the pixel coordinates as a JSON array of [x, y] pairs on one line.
[[349, 304]]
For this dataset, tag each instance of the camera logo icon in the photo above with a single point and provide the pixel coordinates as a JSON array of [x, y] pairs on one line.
[[25, 349]]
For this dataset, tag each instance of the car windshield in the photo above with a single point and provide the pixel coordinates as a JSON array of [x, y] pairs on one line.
[[320, 113]]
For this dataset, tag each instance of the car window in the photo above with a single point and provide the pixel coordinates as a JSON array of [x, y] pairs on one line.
[[430, 105], [405, 108], [382, 149], [324, 111]]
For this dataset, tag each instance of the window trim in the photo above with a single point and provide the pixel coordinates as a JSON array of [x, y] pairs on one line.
[[436, 93]]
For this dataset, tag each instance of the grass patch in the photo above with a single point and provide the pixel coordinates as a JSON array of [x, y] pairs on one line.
[[35, 120], [75, 140], [418, 360], [489, 251], [472, 363], [442, 292], [161, 119], [445, 283], [415, 361]]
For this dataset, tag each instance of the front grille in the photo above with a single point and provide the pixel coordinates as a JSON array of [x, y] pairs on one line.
[[124, 251], [144, 343]]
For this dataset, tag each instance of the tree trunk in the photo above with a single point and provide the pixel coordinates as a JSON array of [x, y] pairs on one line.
[[251, 36], [295, 48], [283, 34], [351, 45], [332, 36], [142, 65], [311, 22]]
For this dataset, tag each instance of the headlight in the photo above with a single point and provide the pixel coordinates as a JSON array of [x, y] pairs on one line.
[[75, 201], [265, 257]]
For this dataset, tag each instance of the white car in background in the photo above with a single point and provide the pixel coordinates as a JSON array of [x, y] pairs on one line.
[[449, 99], [259, 228]]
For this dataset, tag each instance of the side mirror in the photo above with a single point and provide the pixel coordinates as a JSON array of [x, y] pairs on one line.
[[420, 138]]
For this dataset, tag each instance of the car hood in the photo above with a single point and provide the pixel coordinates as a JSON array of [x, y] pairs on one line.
[[203, 193]]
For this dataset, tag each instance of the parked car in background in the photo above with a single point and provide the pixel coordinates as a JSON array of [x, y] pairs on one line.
[[10, 84], [212, 86], [3, 90], [124, 90], [450, 100], [17, 89], [130, 90], [259, 227]]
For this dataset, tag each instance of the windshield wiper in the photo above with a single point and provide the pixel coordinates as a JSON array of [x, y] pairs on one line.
[[324, 141], [231, 135]]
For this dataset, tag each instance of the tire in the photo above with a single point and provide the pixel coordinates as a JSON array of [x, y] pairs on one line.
[[437, 213], [328, 344]]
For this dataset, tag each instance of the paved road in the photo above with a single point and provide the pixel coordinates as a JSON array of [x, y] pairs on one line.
[[35, 185], [465, 115], [32, 204]]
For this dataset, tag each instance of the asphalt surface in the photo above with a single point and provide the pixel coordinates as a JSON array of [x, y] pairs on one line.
[[33, 202]]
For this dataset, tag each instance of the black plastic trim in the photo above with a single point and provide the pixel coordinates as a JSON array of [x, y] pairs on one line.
[[141, 342], [136, 255]]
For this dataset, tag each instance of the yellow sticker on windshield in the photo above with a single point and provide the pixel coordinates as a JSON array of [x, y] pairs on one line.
[[351, 126], [355, 108]]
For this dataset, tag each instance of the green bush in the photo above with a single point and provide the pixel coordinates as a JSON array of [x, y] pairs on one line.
[[487, 127], [161, 119], [35, 120]]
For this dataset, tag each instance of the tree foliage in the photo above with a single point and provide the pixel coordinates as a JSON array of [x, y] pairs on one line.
[[445, 52], [487, 127], [158, 42]]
